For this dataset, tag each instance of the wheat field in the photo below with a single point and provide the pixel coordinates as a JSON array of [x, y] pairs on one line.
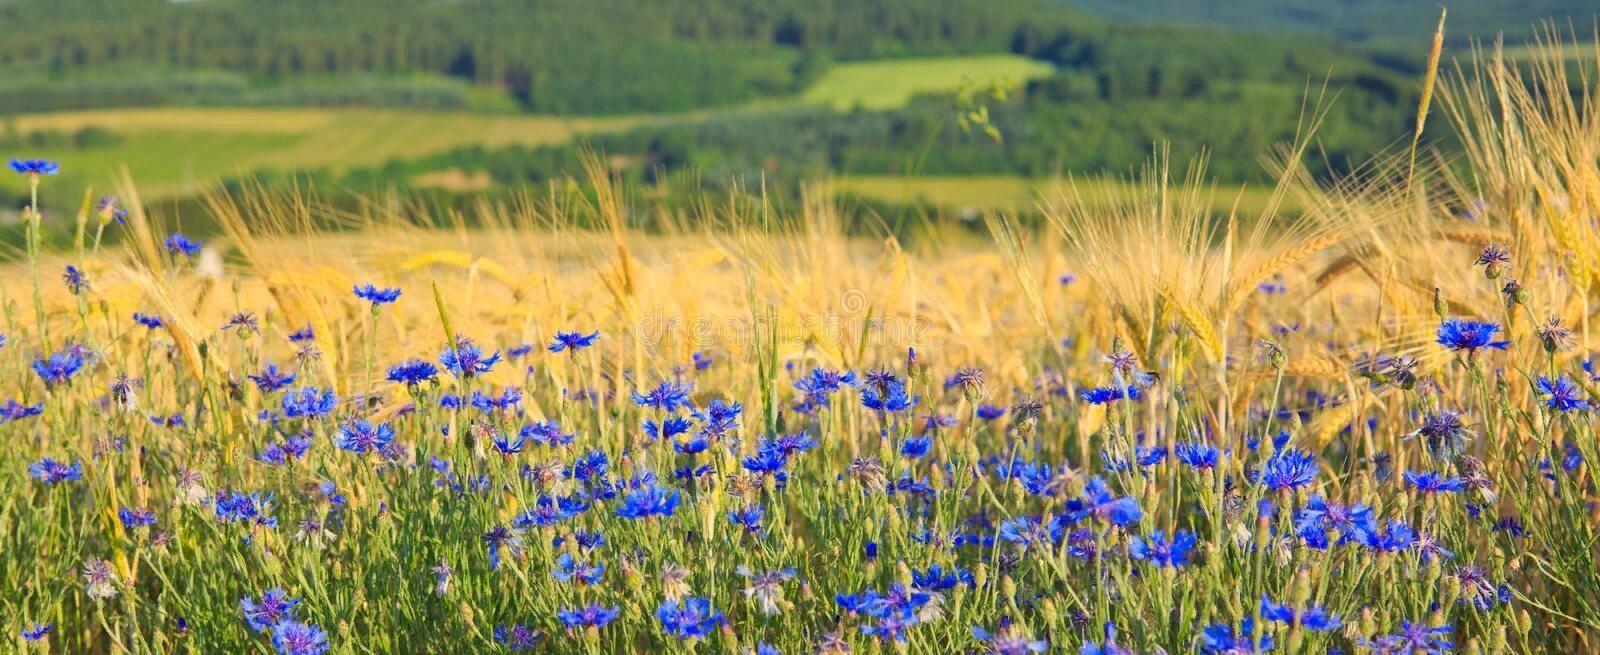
[[1143, 426]]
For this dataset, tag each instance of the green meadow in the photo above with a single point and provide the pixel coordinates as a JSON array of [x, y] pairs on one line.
[[172, 151]]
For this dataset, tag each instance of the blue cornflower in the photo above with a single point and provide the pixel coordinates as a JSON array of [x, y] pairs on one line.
[[547, 511], [1396, 536], [889, 398], [766, 461], [37, 631], [1008, 640], [719, 417], [668, 428], [1103, 395], [1028, 531], [791, 443], [509, 444], [1311, 618], [1412, 639], [509, 398], [572, 342], [937, 578], [271, 379], [595, 616], [1198, 456], [991, 412], [134, 517], [693, 445], [501, 538], [50, 471], [308, 402], [360, 436], [701, 360], [15, 411], [273, 454], [412, 372], [1108, 647], [1564, 394], [178, 244], [690, 618], [274, 607], [568, 568], [748, 518], [588, 541], [916, 447], [667, 397], [820, 384], [548, 433], [1434, 483], [1470, 335], [77, 283], [59, 367], [303, 334], [1099, 502], [150, 321], [648, 500], [1221, 639], [1160, 552], [378, 296], [590, 466], [516, 637], [1289, 469], [295, 638], [1313, 522], [237, 507], [466, 359], [890, 625], [35, 167]]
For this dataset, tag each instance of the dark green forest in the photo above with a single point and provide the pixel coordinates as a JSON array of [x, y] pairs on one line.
[[1366, 21], [552, 56]]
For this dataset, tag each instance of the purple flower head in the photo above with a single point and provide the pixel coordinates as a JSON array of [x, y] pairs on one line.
[[295, 638]]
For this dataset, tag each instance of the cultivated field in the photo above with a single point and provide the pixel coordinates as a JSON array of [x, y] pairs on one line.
[[892, 83], [179, 151]]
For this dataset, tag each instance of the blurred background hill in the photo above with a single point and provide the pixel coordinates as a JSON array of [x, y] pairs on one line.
[[939, 103]]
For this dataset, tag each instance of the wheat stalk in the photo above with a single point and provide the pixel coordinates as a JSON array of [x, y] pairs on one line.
[[1240, 289], [1471, 236], [1197, 323]]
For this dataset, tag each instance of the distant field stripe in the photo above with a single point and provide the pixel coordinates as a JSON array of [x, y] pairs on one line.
[[1011, 193], [892, 83]]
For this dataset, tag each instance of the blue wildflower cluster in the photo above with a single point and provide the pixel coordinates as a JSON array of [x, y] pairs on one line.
[[220, 477]]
